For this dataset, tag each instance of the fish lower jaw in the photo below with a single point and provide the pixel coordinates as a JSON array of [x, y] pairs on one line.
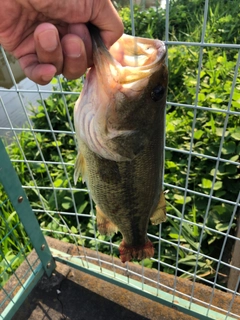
[[127, 252]]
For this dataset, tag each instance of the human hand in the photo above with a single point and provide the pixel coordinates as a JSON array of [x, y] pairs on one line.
[[50, 37]]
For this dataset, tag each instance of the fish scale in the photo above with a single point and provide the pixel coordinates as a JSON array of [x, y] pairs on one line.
[[123, 170]]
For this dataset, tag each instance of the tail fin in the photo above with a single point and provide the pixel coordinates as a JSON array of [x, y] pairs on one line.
[[127, 253]]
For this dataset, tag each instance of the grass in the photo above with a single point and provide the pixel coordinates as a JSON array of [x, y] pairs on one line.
[[14, 243]]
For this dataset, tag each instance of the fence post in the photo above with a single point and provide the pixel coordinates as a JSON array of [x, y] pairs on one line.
[[19, 200]]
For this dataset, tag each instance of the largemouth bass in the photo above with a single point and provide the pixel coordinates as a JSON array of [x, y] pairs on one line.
[[119, 122]]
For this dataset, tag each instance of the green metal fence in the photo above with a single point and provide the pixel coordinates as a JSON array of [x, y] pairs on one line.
[[19, 233], [17, 218], [200, 240]]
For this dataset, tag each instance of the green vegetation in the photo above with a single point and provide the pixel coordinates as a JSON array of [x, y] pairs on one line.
[[186, 21], [14, 243], [215, 83]]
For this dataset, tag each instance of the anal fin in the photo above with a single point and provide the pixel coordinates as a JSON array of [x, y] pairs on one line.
[[159, 215], [105, 226]]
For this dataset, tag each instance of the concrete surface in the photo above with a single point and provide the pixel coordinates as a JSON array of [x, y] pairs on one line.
[[70, 300], [13, 104], [74, 295]]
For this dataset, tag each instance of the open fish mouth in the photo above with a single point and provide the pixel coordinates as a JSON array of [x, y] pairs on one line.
[[119, 76], [130, 60], [136, 52]]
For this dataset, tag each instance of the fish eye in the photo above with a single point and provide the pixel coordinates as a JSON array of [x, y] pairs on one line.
[[157, 93]]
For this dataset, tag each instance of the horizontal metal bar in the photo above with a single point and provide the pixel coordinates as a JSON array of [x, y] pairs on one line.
[[201, 194], [43, 162], [36, 130], [190, 106], [56, 188], [201, 226], [165, 184], [157, 238], [18, 90], [204, 44], [63, 213], [202, 155], [137, 287], [175, 244]]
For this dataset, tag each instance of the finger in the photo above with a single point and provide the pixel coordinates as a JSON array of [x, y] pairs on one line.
[[39, 73], [82, 32], [108, 20], [75, 59], [100, 12], [48, 46]]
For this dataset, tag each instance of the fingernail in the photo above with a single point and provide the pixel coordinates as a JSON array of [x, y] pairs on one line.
[[48, 40], [47, 77], [73, 49]]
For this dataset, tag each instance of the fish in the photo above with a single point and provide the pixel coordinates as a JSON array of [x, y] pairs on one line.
[[119, 124]]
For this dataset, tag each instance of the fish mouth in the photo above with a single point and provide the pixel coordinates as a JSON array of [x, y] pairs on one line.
[[132, 51], [135, 59], [162, 51], [104, 113]]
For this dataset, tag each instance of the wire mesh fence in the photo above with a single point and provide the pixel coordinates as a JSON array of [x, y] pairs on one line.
[[10, 260], [19, 234], [14, 249], [201, 156]]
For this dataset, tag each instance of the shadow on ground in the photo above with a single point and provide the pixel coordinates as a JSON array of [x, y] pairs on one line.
[[69, 300]]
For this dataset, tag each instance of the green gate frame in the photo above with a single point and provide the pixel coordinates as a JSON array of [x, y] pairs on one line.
[[19, 200]]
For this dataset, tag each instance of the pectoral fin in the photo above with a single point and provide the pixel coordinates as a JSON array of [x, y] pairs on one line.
[[105, 226], [159, 215], [80, 168]]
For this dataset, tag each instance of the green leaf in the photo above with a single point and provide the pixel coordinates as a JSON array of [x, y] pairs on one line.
[[40, 115], [206, 183], [180, 199], [234, 158], [217, 185], [236, 135], [82, 206], [55, 143], [57, 183], [229, 147], [198, 134], [74, 230], [147, 263], [201, 97], [219, 132], [222, 226], [170, 164], [54, 81], [67, 203]]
